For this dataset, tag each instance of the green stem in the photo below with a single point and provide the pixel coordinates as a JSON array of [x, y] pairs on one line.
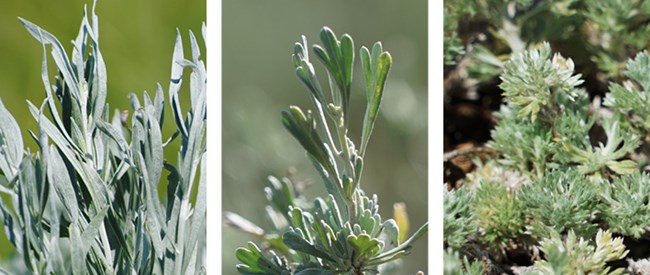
[[326, 129], [341, 131], [352, 211], [342, 135]]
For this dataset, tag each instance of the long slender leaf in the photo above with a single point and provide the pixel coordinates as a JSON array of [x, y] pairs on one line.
[[11, 144], [198, 222], [62, 184]]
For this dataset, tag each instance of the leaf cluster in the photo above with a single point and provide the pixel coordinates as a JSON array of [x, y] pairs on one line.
[[575, 183], [530, 79], [563, 200], [458, 216], [578, 256], [498, 215], [626, 207], [343, 232], [631, 98]]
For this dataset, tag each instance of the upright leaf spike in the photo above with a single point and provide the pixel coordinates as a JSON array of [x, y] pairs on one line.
[[375, 68], [343, 234]]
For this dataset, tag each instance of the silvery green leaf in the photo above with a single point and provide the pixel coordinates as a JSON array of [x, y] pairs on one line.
[[153, 228], [141, 246], [76, 251], [364, 246], [147, 99], [338, 244], [637, 69], [198, 221], [358, 170], [194, 145], [306, 74], [333, 49], [391, 229], [95, 23], [115, 135], [154, 213], [101, 147], [324, 57], [299, 219], [55, 262], [197, 77], [379, 69], [191, 262], [401, 249], [255, 263], [366, 65], [366, 221], [335, 213], [159, 104], [77, 55], [347, 50], [27, 175], [113, 223], [623, 167], [154, 153], [48, 92], [64, 137], [280, 195], [11, 144], [135, 102], [170, 238], [322, 235], [302, 130], [90, 232], [295, 241], [26, 208], [348, 186], [196, 52], [99, 79], [59, 178], [175, 83], [341, 246]]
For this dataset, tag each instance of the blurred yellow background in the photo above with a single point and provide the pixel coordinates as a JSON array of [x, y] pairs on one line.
[[259, 82], [136, 40]]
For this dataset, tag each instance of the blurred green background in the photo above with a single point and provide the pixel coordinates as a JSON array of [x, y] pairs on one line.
[[259, 82], [136, 40]]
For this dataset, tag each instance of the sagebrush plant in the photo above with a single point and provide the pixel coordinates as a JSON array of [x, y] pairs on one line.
[[570, 186], [565, 188], [87, 201], [343, 232]]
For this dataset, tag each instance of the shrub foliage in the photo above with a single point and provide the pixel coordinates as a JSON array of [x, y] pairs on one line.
[[341, 233], [565, 189], [88, 201]]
